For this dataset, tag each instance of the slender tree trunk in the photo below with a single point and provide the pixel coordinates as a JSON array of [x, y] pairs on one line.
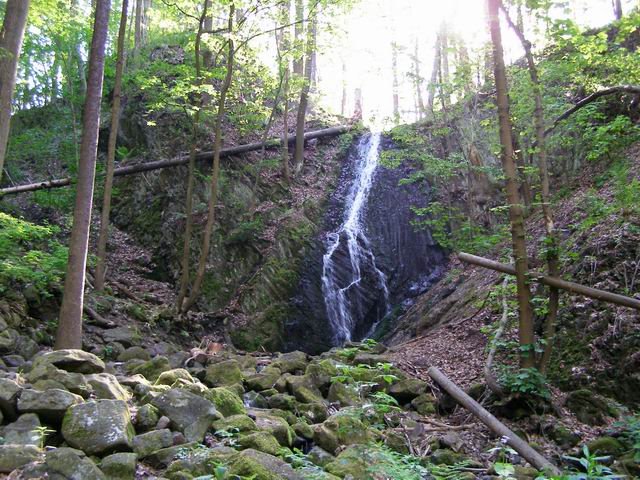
[[445, 65], [298, 60], [137, 34], [304, 97], [396, 87], [525, 331], [416, 57], [435, 74], [204, 23], [286, 45], [103, 236], [11, 36], [617, 9], [552, 244], [69, 333], [358, 109], [217, 146]]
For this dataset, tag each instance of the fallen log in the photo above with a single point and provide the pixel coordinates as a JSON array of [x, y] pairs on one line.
[[515, 442], [181, 160], [554, 282]]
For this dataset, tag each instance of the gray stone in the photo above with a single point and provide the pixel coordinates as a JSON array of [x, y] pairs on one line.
[[72, 464], [119, 466], [125, 335], [106, 386], [49, 405], [24, 431], [46, 376], [14, 361], [320, 457], [189, 413], [267, 378], [134, 352], [277, 427], [147, 443], [170, 377], [147, 417], [76, 361], [263, 466], [16, 456], [162, 458], [291, 362], [223, 374], [98, 427], [406, 390], [26, 347], [9, 391]]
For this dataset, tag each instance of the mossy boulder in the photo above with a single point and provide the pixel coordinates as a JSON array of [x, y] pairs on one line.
[[445, 456], [226, 401], [339, 430], [106, 386], [119, 466], [588, 407], [264, 380], [46, 376], [256, 464], [261, 441], [170, 377], [320, 456], [134, 352], [424, 404], [146, 417], [223, 374], [198, 460], [303, 430], [315, 412], [188, 412], [71, 463], [606, 446], [344, 394], [76, 361], [291, 362], [240, 422], [321, 372], [16, 456], [147, 443], [50, 405], [282, 401], [9, 393], [276, 426], [404, 391], [152, 369], [163, 457], [98, 427], [304, 389]]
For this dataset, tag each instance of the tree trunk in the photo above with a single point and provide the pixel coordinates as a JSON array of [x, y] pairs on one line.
[[15, 21], [69, 334], [418, 80], [435, 71], [444, 87], [204, 23], [552, 244], [137, 35], [103, 236], [617, 9], [343, 100], [215, 174], [516, 217], [396, 87], [298, 60], [304, 97], [283, 61]]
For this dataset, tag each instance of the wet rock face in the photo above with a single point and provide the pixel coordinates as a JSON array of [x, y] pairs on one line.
[[408, 257]]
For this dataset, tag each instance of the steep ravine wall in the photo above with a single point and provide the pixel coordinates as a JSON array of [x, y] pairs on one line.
[[407, 256]]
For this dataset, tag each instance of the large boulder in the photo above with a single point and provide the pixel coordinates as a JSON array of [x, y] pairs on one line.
[[339, 430], [198, 462], [147, 443], [50, 405], [303, 388], [262, 441], [72, 464], [99, 427], [226, 401], [46, 376], [76, 361], [588, 407], [264, 380], [106, 386], [407, 389], [241, 423], [119, 466], [170, 377], [223, 374], [152, 369], [9, 393], [276, 426], [255, 464], [188, 412], [291, 362], [16, 456], [24, 431]]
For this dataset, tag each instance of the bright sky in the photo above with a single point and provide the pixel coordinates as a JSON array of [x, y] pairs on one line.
[[368, 30]]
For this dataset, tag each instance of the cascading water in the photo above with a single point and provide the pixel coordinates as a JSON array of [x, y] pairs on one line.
[[341, 287]]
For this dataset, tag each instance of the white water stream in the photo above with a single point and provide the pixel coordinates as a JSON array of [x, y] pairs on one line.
[[339, 295]]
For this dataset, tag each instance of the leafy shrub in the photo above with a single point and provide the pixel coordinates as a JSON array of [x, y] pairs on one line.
[[29, 255], [528, 381]]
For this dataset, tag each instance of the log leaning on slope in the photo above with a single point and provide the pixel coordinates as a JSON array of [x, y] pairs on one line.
[[554, 282], [182, 160], [519, 445]]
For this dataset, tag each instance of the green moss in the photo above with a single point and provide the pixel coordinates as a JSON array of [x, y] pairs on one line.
[[226, 401]]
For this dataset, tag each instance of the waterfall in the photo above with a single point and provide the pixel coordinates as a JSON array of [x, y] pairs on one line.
[[342, 280]]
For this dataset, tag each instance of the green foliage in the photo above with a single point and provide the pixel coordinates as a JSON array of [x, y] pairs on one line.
[[608, 141], [527, 381], [592, 465], [630, 432], [29, 255], [388, 463]]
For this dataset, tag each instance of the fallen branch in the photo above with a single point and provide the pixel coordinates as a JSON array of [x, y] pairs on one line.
[[181, 160], [97, 319], [554, 282], [590, 99], [519, 445]]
